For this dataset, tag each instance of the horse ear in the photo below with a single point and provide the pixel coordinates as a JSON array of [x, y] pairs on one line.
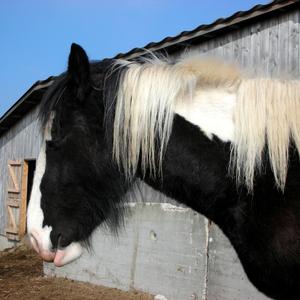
[[79, 70]]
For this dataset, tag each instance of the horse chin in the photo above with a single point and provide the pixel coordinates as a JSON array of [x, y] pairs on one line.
[[68, 254]]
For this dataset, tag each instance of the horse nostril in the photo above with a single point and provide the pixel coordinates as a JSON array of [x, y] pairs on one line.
[[55, 239], [62, 242], [61, 238], [52, 248]]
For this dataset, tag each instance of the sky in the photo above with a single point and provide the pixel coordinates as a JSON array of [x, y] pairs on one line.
[[35, 35]]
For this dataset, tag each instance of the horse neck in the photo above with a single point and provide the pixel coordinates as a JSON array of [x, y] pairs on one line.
[[194, 170]]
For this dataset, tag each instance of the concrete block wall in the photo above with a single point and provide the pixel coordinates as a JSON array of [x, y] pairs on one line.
[[164, 249]]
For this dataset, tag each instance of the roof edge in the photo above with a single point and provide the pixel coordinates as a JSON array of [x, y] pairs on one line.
[[39, 85], [206, 31]]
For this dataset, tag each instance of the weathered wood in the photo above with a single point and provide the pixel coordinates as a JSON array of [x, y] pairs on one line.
[[12, 221], [271, 35], [23, 203], [294, 35], [22, 141], [13, 176], [15, 162], [264, 49], [13, 191], [267, 48], [12, 237], [13, 231], [13, 203], [283, 46], [13, 198], [254, 47]]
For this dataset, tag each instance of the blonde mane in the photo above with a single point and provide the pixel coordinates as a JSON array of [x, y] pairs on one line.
[[266, 114], [267, 118]]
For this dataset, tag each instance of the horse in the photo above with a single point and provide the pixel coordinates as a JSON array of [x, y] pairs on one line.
[[195, 129]]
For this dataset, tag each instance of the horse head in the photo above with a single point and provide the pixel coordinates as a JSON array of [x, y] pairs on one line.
[[76, 185]]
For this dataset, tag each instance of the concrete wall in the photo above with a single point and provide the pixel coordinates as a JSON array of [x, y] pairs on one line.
[[163, 249]]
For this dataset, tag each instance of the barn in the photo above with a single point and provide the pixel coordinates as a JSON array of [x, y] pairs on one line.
[[165, 249]]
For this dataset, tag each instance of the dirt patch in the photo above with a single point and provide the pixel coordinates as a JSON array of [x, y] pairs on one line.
[[21, 277]]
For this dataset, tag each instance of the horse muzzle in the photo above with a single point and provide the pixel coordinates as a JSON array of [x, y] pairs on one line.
[[59, 257]]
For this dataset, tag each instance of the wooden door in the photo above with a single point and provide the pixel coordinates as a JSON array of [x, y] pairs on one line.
[[16, 201]]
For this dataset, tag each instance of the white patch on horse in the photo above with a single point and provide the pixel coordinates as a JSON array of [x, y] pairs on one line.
[[212, 110], [40, 235], [35, 216]]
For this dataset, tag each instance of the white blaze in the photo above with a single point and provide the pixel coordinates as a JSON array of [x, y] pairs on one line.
[[39, 235], [35, 216]]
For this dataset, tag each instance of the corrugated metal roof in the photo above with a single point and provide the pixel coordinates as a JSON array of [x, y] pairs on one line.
[[171, 44]]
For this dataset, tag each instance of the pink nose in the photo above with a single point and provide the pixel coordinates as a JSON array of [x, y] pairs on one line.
[[37, 244], [40, 241]]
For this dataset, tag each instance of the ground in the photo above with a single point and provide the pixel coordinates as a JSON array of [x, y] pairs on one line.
[[21, 278]]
